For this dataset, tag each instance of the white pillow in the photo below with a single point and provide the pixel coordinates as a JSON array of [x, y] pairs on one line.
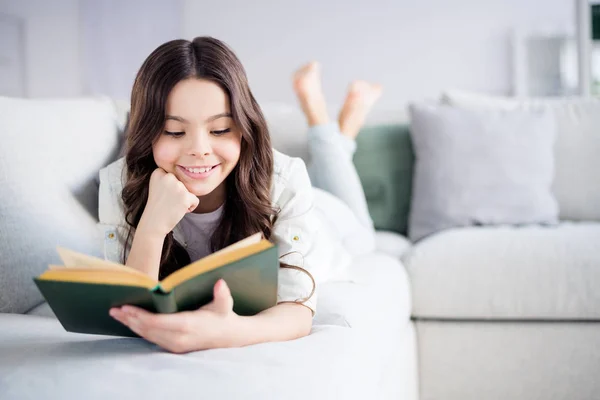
[[576, 184], [51, 152], [480, 168]]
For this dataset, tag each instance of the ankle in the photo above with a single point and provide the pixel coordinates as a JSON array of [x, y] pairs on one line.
[[315, 110], [317, 118]]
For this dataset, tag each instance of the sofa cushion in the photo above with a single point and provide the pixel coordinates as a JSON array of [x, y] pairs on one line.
[[520, 273], [50, 156], [384, 161], [377, 297], [39, 360], [576, 184], [477, 167]]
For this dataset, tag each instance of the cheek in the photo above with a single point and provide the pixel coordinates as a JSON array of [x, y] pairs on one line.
[[229, 150], [166, 153]]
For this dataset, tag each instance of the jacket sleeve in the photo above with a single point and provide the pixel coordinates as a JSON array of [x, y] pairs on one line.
[[296, 233], [112, 225]]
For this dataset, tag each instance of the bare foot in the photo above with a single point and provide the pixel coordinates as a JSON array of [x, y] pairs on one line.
[[307, 84], [361, 97]]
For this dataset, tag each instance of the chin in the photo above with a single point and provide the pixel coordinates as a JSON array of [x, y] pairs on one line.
[[200, 191]]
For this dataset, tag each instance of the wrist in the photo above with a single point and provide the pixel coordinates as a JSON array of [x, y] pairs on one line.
[[236, 332], [146, 229]]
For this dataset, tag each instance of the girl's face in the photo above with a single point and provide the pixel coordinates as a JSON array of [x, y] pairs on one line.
[[200, 143]]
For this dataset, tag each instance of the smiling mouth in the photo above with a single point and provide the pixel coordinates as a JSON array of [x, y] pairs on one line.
[[199, 170]]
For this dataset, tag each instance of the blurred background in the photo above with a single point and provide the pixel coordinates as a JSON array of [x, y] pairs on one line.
[[415, 48]]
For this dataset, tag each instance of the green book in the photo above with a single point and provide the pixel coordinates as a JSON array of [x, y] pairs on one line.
[[82, 291]]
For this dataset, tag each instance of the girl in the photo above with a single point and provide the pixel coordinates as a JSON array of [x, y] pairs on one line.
[[199, 174]]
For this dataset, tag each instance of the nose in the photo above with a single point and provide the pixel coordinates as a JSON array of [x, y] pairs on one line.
[[199, 144]]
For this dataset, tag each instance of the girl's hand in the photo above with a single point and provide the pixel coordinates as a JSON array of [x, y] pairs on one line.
[[182, 332], [168, 201]]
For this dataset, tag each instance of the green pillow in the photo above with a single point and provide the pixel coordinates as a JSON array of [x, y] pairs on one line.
[[384, 160]]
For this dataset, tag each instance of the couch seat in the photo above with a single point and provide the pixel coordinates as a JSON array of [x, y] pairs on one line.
[[512, 273], [361, 346]]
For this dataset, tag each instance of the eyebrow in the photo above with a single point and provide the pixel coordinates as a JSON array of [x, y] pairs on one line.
[[209, 119]]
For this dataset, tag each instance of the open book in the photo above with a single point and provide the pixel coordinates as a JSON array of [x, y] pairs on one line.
[[82, 291]]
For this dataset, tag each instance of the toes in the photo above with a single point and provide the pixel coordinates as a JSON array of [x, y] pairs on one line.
[[307, 69], [312, 66], [307, 79], [367, 91], [358, 86]]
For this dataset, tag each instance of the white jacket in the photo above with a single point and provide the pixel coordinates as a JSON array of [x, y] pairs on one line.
[[296, 230]]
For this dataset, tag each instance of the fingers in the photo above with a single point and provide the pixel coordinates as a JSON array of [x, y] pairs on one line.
[[135, 317], [157, 175], [222, 302], [166, 187], [172, 332], [193, 201], [190, 200], [175, 342], [159, 172]]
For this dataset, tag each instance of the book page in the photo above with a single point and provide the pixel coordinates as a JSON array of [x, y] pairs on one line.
[[97, 276], [72, 259], [81, 267]]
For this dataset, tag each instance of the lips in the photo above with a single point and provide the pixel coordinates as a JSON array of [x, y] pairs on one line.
[[198, 172]]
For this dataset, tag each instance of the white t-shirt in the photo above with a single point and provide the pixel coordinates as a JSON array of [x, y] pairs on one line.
[[197, 230]]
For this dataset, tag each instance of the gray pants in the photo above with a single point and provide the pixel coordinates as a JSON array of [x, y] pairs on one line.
[[331, 169]]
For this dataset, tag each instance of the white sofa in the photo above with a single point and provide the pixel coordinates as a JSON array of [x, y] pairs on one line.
[[496, 312], [362, 344], [508, 312]]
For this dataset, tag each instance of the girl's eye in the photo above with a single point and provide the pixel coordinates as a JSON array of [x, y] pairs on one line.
[[222, 132], [174, 134]]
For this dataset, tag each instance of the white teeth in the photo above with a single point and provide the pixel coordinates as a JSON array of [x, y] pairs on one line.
[[199, 170]]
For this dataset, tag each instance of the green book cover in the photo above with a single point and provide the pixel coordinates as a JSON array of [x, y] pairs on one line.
[[82, 292]]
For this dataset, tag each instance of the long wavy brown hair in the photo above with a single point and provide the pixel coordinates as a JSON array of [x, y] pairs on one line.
[[247, 208]]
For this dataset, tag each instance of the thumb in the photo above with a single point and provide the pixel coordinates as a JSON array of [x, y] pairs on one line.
[[193, 203], [222, 302]]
